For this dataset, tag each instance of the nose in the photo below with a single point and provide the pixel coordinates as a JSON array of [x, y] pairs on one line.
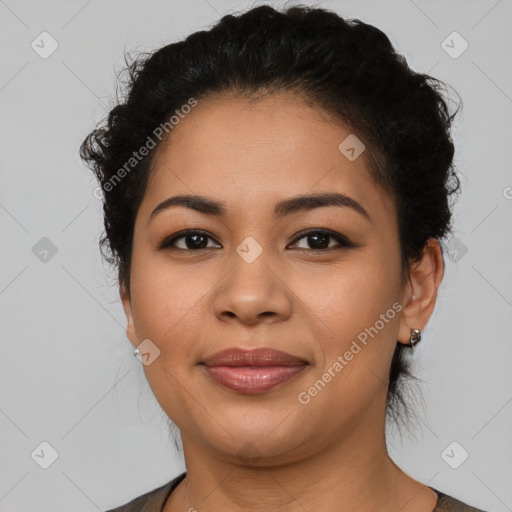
[[253, 292]]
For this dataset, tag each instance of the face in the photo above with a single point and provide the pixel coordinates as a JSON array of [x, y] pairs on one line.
[[308, 279]]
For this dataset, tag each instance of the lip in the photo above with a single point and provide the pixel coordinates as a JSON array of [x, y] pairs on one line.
[[253, 371], [254, 357]]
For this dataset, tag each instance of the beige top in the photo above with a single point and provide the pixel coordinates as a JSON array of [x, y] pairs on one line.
[[154, 500]]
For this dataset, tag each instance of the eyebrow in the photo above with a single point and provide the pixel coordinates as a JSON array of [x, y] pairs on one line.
[[286, 207]]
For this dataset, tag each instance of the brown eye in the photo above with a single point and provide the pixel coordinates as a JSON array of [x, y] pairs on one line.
[[193, 241], [317, 240], [320, 240]]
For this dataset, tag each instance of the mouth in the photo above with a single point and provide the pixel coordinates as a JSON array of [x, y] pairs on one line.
[[253, 371]]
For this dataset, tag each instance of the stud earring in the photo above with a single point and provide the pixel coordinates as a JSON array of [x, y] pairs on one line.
[[415, 338]]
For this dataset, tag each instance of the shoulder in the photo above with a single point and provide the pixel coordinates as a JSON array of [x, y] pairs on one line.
[[152, 501], [447, 503]]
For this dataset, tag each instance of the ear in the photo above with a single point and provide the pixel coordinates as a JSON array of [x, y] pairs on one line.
[[131, 332], [420, 293]]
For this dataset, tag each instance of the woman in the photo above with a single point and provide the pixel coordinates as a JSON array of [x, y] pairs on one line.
[[275, 192]]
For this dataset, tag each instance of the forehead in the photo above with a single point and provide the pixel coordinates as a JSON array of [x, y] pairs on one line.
[[241, 151], [247, 135]]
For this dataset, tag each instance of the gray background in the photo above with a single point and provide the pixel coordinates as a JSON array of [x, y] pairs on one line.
[[67, 375]]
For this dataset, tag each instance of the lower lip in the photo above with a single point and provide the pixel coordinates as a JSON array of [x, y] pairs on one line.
[[252, 380]]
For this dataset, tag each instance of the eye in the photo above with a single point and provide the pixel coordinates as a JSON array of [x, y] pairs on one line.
[[319, 239], [194, 240]]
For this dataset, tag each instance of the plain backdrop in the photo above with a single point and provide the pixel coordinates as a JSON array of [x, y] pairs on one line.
[[67, 374]]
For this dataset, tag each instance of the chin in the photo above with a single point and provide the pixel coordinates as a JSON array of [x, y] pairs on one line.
[[256, 440]]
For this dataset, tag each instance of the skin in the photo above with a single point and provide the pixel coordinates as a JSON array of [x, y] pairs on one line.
[[329, 454]]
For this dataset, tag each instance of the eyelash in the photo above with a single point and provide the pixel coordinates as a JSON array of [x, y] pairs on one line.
[[344, 242]]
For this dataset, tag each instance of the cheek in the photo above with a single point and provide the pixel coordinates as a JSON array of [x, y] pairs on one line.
[[358, 310], [168, 302], [355, 291], [358, 322], [169, 310]]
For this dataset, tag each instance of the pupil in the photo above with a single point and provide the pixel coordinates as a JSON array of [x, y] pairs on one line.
[[195, 238], [318, 241], [319, 236]]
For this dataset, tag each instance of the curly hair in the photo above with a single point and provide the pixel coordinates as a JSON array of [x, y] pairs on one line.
[[343, 67]]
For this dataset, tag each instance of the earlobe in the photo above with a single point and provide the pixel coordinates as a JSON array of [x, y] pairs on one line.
[[421, 291], [128, 310]]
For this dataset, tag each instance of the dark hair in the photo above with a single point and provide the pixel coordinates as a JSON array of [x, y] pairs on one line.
[[346, 68]]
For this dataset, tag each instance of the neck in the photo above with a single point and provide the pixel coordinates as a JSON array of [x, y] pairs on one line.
[[354, 472]]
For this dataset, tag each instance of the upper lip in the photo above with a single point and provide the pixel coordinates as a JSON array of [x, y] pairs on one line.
[[254, 357]]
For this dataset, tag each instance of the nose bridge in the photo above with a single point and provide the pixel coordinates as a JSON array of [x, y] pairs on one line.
[[250, 250], [251, 274], [252, 286]]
